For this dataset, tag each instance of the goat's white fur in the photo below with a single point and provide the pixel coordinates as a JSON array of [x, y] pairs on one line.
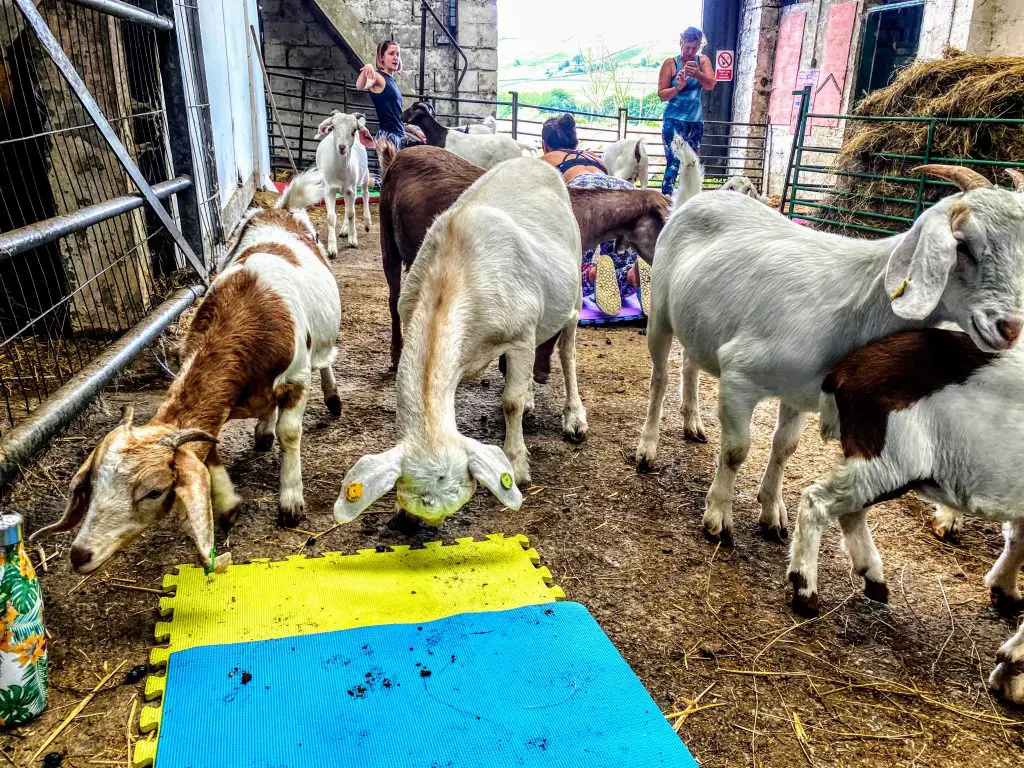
[[344, 172], [496, 274], [744, 186], [967, 439], [768, 306], [691, 173], [620, 158], [486, 126]]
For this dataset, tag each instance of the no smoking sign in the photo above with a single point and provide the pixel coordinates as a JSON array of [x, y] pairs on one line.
[[723, 65]]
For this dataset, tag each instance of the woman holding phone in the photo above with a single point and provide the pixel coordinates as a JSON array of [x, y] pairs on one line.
[[681, 83]]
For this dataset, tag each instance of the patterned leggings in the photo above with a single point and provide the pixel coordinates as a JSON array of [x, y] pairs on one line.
[[691, 133]]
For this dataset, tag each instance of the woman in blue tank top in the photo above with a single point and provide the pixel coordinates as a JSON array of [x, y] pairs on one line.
[[379, 82], [681, 82]]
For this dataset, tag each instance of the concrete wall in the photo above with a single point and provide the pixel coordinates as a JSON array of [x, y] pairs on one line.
[[315, 38]]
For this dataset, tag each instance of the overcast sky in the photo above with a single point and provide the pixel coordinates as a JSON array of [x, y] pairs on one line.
[[538, 25]]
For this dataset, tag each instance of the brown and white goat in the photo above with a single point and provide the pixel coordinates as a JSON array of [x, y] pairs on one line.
[[270, 318], [422, 182]]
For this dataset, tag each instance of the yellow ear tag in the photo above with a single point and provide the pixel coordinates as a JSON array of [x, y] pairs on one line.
[[354, 491], [899, 291], [506, 481]]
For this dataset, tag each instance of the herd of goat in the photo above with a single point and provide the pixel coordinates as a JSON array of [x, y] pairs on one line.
[[491, 244]]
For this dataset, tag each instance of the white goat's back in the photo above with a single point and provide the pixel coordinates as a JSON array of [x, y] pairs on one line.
[[622, 162], [483, 149]]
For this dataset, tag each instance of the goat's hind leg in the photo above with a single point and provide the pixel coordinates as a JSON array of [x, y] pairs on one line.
[[736, 402], [774, 519], [1007, 679], [1002, 579], [947, 523], [366, 203], [330, 388], [689, 398], [331, 204], [263, 437], [574, 415], [350, 217], [659, 344], [292, 403]]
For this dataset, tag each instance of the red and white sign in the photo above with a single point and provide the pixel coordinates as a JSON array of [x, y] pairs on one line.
[[723, 65]]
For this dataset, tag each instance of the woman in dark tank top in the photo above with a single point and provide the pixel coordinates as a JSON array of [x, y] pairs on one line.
[[379, 82]]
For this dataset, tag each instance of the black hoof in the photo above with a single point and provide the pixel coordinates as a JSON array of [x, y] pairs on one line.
[[644, 466], [404, 523], [228, 519], [289, 518], [575, 436], [263, 443], [876, 590], [694, 437], [541, 377], [806, 606], [770, 533], [724, 538], [1004, 604], [334, 405]]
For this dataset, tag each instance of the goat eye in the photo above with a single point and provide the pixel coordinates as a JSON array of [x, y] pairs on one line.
[[156, 493]]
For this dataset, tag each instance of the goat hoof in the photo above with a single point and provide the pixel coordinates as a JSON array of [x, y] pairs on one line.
[[228, 519], [1004, 604], [332, 255], [876, 590], [644, 466], [724, 537], [404, 523], [777, 534], [290, 517], [950, 534], [803, 605], [263, 443], [575, 435], [334, 405], [694, 436], [1007, 679]]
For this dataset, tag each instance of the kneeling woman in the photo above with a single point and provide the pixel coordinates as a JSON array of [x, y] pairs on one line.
[[611, 282]]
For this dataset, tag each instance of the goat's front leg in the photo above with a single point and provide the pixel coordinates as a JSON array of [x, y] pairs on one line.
[[574, 415], [366, 203], [947, 523], [290, 505], [331, 204], [227, 504], [519, 362], [393, 274], [350, 216], [736, 401], [1007, 679], [784, 442], [689, 398], [659, 343], [263, 438], [330, 388], [1002, 579]]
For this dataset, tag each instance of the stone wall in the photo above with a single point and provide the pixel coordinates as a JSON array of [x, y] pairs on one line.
[[329, 39]]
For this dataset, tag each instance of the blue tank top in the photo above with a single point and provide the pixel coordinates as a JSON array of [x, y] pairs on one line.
[[686, 104], [388, 104]]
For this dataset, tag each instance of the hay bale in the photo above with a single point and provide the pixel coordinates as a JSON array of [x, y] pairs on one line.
[[956, 86]]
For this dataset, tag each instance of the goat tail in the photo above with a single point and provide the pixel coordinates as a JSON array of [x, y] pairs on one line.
[[386, 152], [829, 416], [303, 190]]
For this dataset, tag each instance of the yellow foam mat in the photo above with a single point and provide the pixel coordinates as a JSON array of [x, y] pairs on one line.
[[300, 595]]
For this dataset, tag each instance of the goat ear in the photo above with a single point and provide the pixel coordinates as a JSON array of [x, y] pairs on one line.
[[370, 478], [192, 500], [492, 469], [325, 127], [365, 138], [79, 495], [919, 266]]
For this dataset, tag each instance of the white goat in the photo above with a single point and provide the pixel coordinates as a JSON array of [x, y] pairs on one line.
[[691, 173], [269, 319], [925, 410], [497, 274], [480, 149], [485, 126], [769, 306], [341, 157], [627, 159], [744, 186]]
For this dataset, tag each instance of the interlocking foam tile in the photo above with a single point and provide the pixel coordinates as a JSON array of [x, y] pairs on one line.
[[538, 686], [263, 600]]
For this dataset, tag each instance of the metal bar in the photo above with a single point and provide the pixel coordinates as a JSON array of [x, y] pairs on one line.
[[35, 235], [855, 211], [425, 9], [32, 434], [515, 114], [918, 207], [302, 111], [423, 50], [858, 227], [794, 155], [128, 13], [67, 70], [270, 93]]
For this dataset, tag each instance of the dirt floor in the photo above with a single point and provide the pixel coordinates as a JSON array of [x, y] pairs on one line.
[[706, 628]]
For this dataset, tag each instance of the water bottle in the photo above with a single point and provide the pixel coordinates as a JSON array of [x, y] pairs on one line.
[[24, 675]]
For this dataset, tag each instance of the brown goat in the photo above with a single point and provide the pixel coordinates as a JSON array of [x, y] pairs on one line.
[[420, 183]]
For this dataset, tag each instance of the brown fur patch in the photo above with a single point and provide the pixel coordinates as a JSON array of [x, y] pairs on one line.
[[282, 219], [288, 396], [272, 249], [240, 341], [608, 214], [892, 374]]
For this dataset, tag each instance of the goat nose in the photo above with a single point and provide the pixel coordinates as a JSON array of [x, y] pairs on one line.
[[80, 556], [1009, 328]]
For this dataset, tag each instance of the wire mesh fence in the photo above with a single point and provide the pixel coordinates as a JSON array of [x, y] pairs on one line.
[[82, 258]]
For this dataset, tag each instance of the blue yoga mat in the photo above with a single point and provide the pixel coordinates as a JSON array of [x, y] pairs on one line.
[[535, 686]]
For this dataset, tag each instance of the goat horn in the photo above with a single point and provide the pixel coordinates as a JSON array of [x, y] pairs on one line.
[[965, 178], [177, 439], [1017, 176]]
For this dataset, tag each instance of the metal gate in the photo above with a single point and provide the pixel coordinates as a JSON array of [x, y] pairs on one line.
[[108, 213]]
